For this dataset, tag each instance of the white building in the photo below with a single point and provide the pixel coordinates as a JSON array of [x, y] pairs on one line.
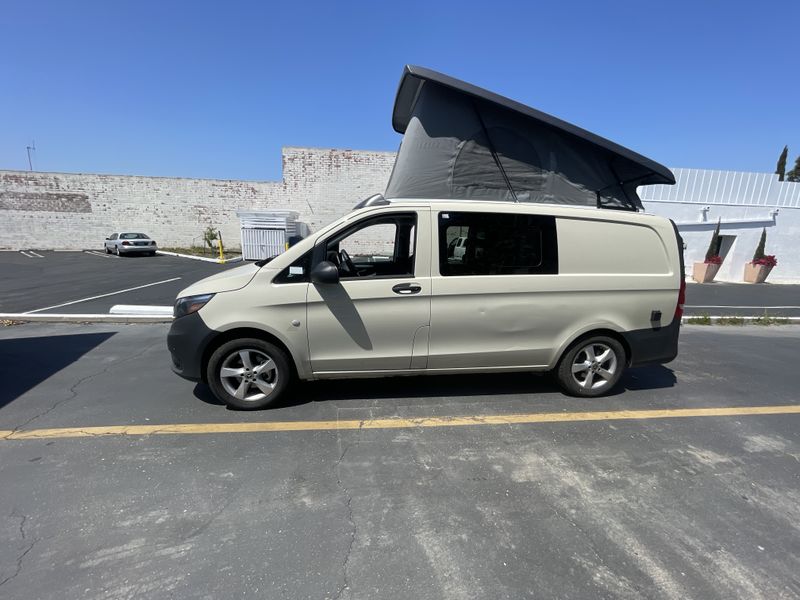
[[744, 203]]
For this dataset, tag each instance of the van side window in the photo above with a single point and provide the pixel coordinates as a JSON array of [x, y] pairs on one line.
[[381, 246], [297, 272], [472, 243]]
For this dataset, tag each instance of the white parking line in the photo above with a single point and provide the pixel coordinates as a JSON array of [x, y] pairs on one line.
[[732, 306], [30, 254], [138, 287], [36, 254], [100, 254]]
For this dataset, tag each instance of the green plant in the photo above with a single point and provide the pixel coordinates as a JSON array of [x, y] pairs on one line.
[[730, 321], [699, 320], [780, 169], [768, 320], [209, 236], [712, 254], [794, 174], [761, 244]]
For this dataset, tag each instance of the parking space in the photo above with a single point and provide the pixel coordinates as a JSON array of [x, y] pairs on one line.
[[738, 299], [91, 282], [441, 487]]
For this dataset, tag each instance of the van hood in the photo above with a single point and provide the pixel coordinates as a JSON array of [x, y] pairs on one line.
[[227, 281]]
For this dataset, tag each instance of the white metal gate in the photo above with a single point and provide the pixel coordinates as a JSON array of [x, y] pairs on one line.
[[262, 243]]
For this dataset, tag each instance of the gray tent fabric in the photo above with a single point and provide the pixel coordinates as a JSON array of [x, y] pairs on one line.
[[462, 142]]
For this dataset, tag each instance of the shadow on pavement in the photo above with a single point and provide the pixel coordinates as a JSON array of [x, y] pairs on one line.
[[26, 362], [446, 386], [654, 377]]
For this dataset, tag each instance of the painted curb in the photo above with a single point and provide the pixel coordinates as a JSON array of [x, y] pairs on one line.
[[141, 309], [713, 318], [202, 258], [87, 318]]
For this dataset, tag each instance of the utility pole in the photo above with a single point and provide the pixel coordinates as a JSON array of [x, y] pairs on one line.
[[29, 148]]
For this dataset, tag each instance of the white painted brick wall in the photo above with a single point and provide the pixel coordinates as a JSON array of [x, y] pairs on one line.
[[320, 184]]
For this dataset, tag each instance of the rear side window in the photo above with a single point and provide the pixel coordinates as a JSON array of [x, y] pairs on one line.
[[497, 244]]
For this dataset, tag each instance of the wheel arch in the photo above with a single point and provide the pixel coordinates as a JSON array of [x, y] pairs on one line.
[[584, 335], [244, 332]]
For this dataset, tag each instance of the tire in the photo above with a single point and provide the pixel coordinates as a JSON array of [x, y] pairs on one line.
[[598, 362], [248, 386], [116, 250], [151, 254], [107, 250]]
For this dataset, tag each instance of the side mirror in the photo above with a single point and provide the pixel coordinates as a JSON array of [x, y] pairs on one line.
[[325, 273]]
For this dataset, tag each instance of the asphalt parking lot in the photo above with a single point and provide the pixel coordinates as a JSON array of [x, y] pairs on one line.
[[120, 480], [92, 282]]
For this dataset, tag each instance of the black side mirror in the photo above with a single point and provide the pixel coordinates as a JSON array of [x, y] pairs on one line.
[[325, 272]]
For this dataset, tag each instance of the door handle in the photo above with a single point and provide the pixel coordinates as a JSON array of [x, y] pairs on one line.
[[406, 289]]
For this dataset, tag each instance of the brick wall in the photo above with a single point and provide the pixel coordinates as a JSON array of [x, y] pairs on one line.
[[75, 211]]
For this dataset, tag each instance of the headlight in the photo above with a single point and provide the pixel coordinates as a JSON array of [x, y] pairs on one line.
[[190, 304]]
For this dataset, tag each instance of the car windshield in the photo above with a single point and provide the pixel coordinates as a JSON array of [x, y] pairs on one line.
[[133, 236]]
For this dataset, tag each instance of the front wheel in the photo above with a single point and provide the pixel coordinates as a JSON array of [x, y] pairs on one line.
[[248, 373], [592, 367]]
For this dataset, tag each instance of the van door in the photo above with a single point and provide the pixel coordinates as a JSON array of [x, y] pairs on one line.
[[492, 304], [377, 317]]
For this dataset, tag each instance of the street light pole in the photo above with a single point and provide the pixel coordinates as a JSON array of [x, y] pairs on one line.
[[29, 148]]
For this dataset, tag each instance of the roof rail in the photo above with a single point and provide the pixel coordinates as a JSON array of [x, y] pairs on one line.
[[374, 200]]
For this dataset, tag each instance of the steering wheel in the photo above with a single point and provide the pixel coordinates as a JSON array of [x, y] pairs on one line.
[[346, 263]]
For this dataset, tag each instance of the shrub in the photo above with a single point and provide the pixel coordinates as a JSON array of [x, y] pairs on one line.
[[768, 260], [760, 248], [712, 254]]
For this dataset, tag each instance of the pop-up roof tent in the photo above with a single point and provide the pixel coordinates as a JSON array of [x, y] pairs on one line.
[[464, 142]]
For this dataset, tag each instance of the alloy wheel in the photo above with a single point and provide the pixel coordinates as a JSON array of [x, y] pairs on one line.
[[594, 366], [248, 374]]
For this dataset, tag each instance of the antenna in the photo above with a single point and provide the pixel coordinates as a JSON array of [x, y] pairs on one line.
[[29, 148]]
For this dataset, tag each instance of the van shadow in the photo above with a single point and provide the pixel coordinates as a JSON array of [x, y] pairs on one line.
[[447, 386], [27, 361], [653, 377]]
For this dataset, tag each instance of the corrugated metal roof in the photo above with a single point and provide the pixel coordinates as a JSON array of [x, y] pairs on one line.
[[705, 186]]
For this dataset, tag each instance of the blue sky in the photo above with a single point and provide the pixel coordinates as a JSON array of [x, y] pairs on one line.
[[201, 89]]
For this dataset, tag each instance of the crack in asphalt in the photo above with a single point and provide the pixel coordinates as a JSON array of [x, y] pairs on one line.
[[74, 389], [348, 504], [21, 557]]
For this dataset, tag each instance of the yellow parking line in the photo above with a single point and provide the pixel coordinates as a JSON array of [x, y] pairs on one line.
[[396, 423]]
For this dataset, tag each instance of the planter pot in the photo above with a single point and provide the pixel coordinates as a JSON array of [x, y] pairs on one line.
[[704, 272], [756, 273]]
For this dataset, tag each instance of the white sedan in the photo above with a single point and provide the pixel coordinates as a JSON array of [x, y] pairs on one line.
[[130, 243]]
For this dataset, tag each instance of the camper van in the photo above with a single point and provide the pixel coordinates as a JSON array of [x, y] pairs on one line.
[[516, 242]]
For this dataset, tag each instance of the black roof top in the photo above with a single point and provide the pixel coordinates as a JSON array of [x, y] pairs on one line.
[[647, 171]]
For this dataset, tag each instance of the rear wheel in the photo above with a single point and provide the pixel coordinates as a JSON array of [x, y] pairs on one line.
[[591, 367], [107, 250], [248, 373]]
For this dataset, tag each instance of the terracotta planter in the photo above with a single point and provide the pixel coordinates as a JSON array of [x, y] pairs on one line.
[[756, 273], [704, 272]]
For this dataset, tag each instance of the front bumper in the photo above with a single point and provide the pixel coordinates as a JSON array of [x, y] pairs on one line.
[[187, 340]]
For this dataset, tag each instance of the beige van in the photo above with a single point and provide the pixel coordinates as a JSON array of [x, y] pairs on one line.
[[511, 241], [582, 292]]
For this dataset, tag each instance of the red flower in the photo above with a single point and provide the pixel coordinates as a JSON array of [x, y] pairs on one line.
[[768, 261], [714, 260]]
